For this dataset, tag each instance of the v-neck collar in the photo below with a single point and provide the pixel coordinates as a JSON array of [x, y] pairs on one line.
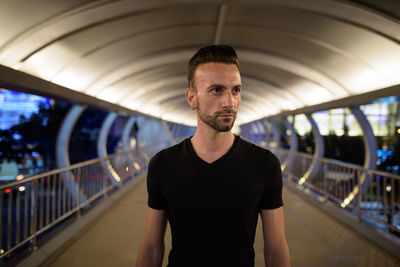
[[192, 152]]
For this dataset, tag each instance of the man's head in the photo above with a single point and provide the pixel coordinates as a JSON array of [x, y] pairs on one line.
[[210, 54], [214, 86]]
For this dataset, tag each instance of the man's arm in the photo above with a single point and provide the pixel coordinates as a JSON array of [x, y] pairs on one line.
[[151, 251], [276, 251]]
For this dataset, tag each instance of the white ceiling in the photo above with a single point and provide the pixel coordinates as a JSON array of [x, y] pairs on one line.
[[293, 54]]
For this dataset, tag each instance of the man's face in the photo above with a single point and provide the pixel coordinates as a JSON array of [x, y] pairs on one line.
[[217, 95]]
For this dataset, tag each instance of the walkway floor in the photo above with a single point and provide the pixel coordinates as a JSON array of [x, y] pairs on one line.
[[314, 238]]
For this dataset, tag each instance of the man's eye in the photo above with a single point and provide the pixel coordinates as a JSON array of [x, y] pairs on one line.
[[216, 90], [236, 90]]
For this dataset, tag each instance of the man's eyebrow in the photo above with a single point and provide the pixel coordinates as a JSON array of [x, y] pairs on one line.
[[216, 85], [223, 86]]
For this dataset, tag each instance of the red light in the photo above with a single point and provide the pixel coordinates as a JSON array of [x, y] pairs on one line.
[[8, 190]]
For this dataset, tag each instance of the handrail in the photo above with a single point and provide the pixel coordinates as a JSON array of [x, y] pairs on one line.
[[60, 170], [371, 194], [338, 162], [37, 203]]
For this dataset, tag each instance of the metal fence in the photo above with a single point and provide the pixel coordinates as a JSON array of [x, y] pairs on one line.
[[33, 205], [373, 195]]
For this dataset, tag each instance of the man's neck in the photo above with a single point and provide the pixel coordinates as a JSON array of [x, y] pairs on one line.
[[210, 144]]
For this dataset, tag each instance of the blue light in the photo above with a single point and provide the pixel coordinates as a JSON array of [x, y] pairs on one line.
[[14, 104], [395, 168], [35, 154], [16, 136], [384, 153]]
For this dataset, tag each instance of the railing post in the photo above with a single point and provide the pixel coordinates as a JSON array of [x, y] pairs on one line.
[[325, 181], [34, 215], [78, 177], [359, 196]]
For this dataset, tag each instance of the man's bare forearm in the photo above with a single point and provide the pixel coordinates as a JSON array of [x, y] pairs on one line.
[[278, 257], [150, 256]]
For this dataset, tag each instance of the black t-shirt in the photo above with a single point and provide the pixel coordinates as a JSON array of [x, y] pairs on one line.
[[213, 208]]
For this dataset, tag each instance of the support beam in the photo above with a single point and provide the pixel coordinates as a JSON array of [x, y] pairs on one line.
[[275, 134], [369, 138], [319, 149], [294, 144], [62, 147], [259, 132], [168, 130], [267, 138], [102, 148], [220, 24], [64, 135], [126, 141], [370, 146]]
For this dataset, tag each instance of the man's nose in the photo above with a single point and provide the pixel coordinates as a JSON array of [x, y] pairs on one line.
[[229, 100]]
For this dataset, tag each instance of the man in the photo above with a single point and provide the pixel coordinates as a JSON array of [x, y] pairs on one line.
[[212, 186]]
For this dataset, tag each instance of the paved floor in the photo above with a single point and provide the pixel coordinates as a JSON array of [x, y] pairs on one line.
[[314, 238]]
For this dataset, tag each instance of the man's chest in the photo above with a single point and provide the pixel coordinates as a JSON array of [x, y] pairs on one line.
[[224, 191]]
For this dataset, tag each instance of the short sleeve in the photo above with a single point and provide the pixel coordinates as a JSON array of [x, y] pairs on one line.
[[272, 195], [155, 198]]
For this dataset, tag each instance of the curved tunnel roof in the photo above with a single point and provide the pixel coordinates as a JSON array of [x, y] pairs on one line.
[[293, 54]]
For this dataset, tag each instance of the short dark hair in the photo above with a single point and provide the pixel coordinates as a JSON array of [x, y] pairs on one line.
[[213, 53]]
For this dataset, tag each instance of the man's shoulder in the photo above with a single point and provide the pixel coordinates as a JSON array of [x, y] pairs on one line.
[[259, 156], [252, 149], [168, 154]]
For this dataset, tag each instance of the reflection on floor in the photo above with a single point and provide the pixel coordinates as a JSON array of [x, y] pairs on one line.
[[314, 238]]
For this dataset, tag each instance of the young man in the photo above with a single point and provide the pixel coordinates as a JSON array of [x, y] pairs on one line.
[[212, 186]]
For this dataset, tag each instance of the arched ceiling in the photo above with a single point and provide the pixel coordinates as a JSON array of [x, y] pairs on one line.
[[293, 54]]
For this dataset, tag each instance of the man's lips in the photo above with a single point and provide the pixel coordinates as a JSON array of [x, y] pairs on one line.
[[226, 115]]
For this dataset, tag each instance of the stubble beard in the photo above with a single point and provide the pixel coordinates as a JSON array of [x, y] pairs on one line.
[[212, 119]]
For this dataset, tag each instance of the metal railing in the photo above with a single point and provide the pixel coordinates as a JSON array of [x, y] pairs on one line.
[[32, 206], [373, 196]]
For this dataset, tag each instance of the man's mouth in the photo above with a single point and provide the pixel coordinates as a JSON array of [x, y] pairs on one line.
[[228, 115]]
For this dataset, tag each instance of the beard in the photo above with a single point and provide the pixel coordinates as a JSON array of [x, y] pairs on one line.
[[213, 120]]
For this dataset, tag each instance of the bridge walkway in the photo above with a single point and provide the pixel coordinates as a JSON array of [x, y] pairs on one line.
[[315, 239]]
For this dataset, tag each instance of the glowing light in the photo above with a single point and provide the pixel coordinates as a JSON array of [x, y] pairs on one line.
[[302, 181], [74, 79], [388, 188], [136, 165], [8, 190], [310, 93], [127, 169], [350, 197], [398, 131], [20, 177], [17, 66], [2, 251], [21, 188], [110, 95]]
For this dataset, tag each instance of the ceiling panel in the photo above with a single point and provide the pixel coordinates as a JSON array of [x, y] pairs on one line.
[[133, 53]]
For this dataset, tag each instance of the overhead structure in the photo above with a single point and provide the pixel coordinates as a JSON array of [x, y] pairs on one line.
[[102, 148], [134, 53]]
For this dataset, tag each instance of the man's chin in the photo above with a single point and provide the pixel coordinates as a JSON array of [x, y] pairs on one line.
[[224, 127]]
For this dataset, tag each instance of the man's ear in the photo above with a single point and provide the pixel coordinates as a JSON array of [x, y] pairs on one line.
[[191, 98]]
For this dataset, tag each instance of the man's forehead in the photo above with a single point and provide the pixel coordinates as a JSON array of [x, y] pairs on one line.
[[217, 71]]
